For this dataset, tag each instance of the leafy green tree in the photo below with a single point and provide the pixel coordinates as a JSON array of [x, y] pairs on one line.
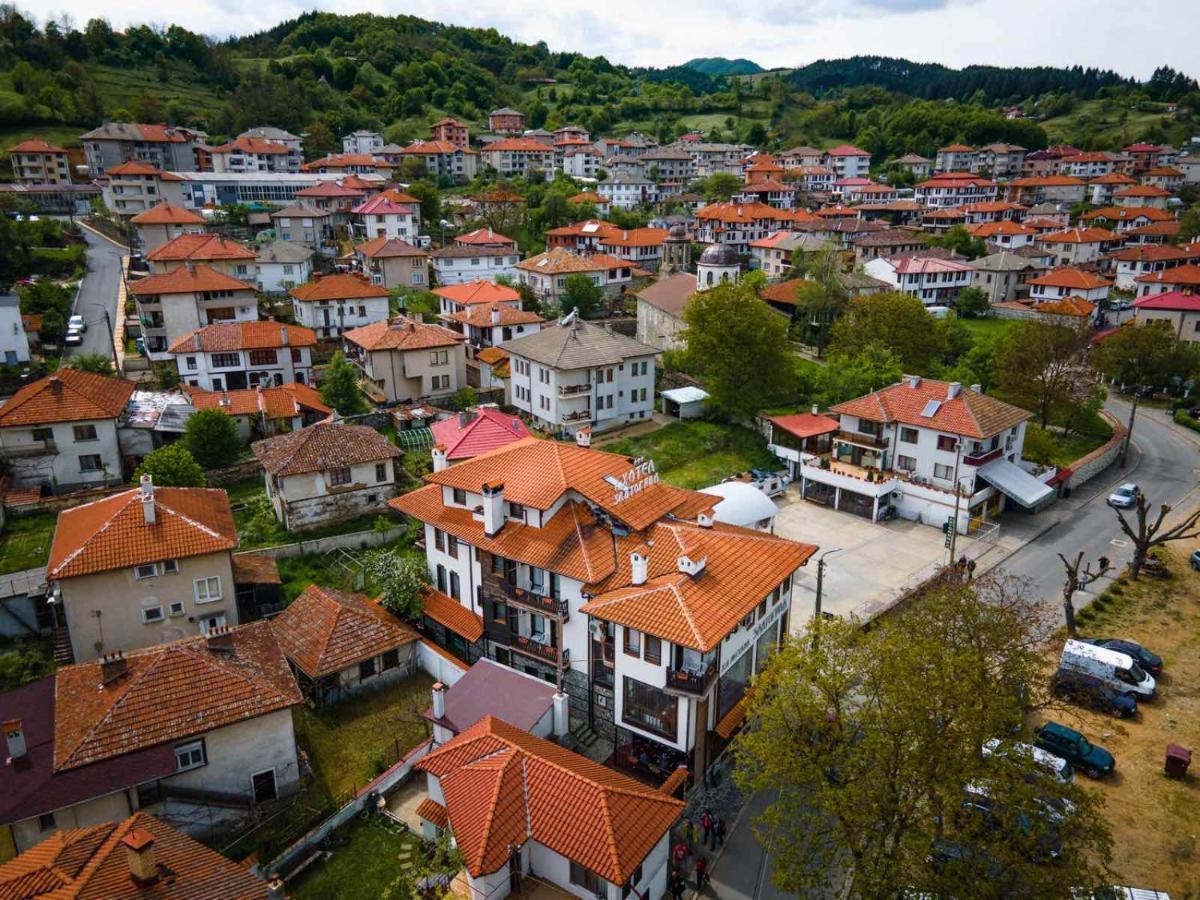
[[582, 294], [756, 135], [212, 438], [720, 186], [1042, 368], [340, 388], [1189, 224], [401, 578], [865, 743], [26, 661], [739, 345], [872, 368], [972, 302], [171, 466], [431, 202], [96, 363], [464, 398], [960, 241], [895, 320]]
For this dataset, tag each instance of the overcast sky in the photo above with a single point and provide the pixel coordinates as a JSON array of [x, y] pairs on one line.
[[1132, 38]]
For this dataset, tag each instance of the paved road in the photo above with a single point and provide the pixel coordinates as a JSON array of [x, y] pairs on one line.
[[99, 293]]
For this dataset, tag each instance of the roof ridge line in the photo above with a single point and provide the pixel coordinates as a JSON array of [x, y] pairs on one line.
[[100, 855], [95, 534], [686, 613], [210, 532]]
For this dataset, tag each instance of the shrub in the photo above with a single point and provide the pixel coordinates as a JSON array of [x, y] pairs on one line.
[[212, 438]]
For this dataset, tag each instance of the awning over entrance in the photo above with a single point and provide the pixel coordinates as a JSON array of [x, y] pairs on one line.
[[1013, 481]]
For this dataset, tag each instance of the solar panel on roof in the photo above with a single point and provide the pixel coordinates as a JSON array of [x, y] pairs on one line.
[[931, 409]]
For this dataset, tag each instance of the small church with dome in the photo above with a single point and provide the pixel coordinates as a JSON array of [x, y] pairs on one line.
[[661, 303]]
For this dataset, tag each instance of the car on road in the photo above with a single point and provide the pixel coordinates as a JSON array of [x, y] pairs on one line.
[[76, 323], [74, 338], [1149, 661], [1125, 496], [1094, 761], [1090, 691]]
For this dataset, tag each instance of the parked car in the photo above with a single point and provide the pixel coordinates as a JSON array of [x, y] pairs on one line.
[[1118, 670], [1195, 560], [1092, 760], [1125, 496], [1089, 691], [1043, 762], [947, 855], [1149, 661], [979, 802], [76, 323], [73, 338], [1116, 892]]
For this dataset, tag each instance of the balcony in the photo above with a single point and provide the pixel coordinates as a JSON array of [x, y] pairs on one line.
[[584, 415], [573, 390], [36, 448], [532, 600], [689, 682], [983, 457], [861, 439], [497, 631], [538, 650]]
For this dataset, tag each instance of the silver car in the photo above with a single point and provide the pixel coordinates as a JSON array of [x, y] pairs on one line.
[[1124, 497]]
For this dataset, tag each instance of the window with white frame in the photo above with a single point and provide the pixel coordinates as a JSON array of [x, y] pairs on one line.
[[943, 471], [208, 589], [145, 570], [190, 756], [175, 609], [152, 614], [170, 566]]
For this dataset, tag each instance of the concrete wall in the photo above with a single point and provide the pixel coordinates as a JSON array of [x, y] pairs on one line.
[[236, 752], [438, 666], [656, 328], [1091, 465], [61, 468], [355, 540], [108, 808], [309, 499], [342, 314]]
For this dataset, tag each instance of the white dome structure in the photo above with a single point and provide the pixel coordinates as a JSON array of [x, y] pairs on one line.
[[742, 504], [718, 263]]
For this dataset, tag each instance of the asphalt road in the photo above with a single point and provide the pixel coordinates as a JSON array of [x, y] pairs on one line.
[[98, 293]]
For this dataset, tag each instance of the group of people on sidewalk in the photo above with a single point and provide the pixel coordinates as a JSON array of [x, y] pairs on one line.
[[712, 836]]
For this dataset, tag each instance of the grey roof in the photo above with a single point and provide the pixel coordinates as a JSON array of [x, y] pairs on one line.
[[671, 294], [490, 688], [270, 133], [576, 345], [861, 281], [719, 255], [7, 300], [284, 252], [299, 209], [1004, 261], [625, 178], [665, 153], [893, 237], [506, 111]]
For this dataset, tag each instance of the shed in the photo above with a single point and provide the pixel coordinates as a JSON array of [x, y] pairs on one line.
[[685, 402], [742, 504]]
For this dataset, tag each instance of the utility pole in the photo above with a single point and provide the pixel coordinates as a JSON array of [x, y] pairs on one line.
[[1076, 581], [820, 588], [112, 340], [957, 498]]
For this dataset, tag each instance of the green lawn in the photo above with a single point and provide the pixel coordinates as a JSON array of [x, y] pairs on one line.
[[258, 527], [987, 327], [25, 542], [367, 857], [697, 454], [1113, 123], [1064, 450], [350, 742]]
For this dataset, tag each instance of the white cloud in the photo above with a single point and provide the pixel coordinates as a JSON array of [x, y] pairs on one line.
[[774, 33]]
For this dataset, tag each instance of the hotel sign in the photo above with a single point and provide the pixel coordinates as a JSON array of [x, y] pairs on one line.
[[642, 475]]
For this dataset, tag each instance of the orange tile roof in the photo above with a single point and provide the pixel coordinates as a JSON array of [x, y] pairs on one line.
[[345, 160], [323, 446], [741, 213], [1067, 306], [200, 247], [253, 145], [450, 613], [1113, 178], [1078, 236], [36, 146], [112, 533], [781, 291], [484, 237], [970, 414], [140, 168], [735, 717], [480, 315], [433, 148], [338, 286], [91, 864], [67, 395], [433, 812], [1187, 275], [1129, 214], [227, 336], [1048, 181], [805, 425], [1146, 190], [384, 247], [499, 195], [169, 692], [478, 291], [1001, 227], [635, 237], [558, 261], [491, 355], [255, 568], [279, 402], [589, 197], [1076, 279], [324, 631], [168, 214], [526, 145], [189, 279], [402, 333], [504, 786]]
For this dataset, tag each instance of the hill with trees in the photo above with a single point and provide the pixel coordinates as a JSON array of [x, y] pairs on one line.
[[720, 65]]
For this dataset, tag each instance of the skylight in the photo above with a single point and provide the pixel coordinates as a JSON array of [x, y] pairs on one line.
[[931, 409]]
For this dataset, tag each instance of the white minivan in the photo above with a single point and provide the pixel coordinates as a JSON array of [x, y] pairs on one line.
[[1117, 670]]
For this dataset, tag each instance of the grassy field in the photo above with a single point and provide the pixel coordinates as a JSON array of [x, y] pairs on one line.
[[367, 857], [1067, 448], [697, 454], [987, 327], [25, 542], [258, 527], [1114, 124], [351, 742], [1155, 820]]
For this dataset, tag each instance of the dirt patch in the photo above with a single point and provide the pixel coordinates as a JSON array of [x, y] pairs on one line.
[[1155, 820]]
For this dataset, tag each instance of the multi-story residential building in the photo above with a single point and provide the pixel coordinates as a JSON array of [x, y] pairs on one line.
[[345, 164], [215, 251], [464, 297], [847, 161], [1130, 263], [173, 305], [189, 729], [444, 159], [334, 304], [956, 158], [60, 431], [393, 263], [39, 162], [407, 360], [362, 142], [547, 273], [799, 157], [767, 191], [282, 265], [1142, 195], [461, 263], [1065, 189], [1088, 165], [390, 214], [954, 189], [935, 282], [627, 191], [261, 411], [1100, 190], [1181, 311], [492, 323], [135, 187], [164, 147], [1000, 160], [146, 566], [1169, 178], [452, 131], [518, 156], [1184, 279], [335, 198], [327, 472], [1145, 157], [573, 374], [1004, 233], [234, 355], [591, 574], [162, 223], [1190, 167], [506, 121], [1069, 282], [247, 154], [919, 166], [304, 224], [933, 450], [275, 135], [1077, 246], [892, 242], [738, 224], [672, 168], [582, 162], [1004, 276]]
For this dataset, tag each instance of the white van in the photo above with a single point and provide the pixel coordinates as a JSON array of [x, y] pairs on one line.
[[1043, 759], [1117, 670]]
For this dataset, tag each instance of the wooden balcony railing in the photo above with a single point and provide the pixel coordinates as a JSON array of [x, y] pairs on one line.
[[860, 438], [554, 655], [691, 682], [539, 603]]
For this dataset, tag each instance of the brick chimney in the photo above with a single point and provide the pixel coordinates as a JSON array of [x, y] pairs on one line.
[[56, 385], [219, 639], [146, 494], [139, 853], [14, 736], [112, 667]]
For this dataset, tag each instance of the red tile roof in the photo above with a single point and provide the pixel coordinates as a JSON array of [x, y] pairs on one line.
[[323, 446], [140, 168], [112, 533], [483, 237], [1076, 279], [804, 425], [337, 287], [68, 395], [1175, 301], [36, 146], [253, 145], [1186, 275], [402, 333], [487, 429], [384, 247], [168, 214], [480, 315], [1078, 236], [448, 612], [383, 205], [324, 631], [970, 414], [169, 692], [479, 291], [189, 279], [526, 145], [200, 247], [846, 150], [279, 402], [328, 189], [504, 786], [228, 336]]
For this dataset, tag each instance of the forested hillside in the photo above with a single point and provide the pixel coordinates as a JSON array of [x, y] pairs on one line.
[[323, 74]]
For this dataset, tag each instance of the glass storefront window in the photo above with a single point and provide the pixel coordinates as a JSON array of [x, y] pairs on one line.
[[649, 708], [733, 684]]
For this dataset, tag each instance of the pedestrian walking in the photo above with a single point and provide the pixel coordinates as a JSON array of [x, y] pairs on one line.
[[718, 831], [681, 853], [689, 833], [701, 872], [678, 884], [706, 821]]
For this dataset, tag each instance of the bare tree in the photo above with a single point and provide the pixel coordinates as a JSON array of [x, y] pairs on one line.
[[1146, 534], [1076, 581]]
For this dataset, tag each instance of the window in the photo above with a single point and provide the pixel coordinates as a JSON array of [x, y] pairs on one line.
[[175, 609], [226, 360], [452, 546], [86, 433], [441, 382], [46, 821], [633, 642], [908, 435], [906, 463], [653, 652], [43, 434], [191, 363], [516, 511], [633, 881], [439, 357], [91, 463], [943, 472], [339, 476], [947, 442], [366, 669], [441, 578], [208, 589], [190, 756], [381, 471], [649, 708], [460, 496], [170, 567], [145, 570], [455, 589], [439, 539], [391, 659], [586, 879], [263, 357]]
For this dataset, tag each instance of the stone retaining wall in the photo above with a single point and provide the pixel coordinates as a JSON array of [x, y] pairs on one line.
[[1087, 467]]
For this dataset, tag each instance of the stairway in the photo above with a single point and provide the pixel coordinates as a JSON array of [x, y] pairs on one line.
[[585, 736], [62, 647]]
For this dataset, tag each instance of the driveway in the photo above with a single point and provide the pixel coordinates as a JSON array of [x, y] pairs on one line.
[[98, 293]]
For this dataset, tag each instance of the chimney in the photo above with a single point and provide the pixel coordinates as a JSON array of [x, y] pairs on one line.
[[14, 735], [496, 315], [583, 437], [977, 388], [816, 410], [953, 389], [219, 640], [146, 490], [275, 889], [139, 853], [705, 518], [639, 565], [112, 666], [493, 508], [225, 401], [913, 381], [283, 334], [56, 385], [440, 460], [439, 700], [562, 714], [690, 566]]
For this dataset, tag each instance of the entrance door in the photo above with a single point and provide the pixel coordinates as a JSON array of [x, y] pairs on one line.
[[208, 623], [263, 784]]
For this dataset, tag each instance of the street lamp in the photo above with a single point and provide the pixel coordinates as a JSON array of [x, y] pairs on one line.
[[820, 585]]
